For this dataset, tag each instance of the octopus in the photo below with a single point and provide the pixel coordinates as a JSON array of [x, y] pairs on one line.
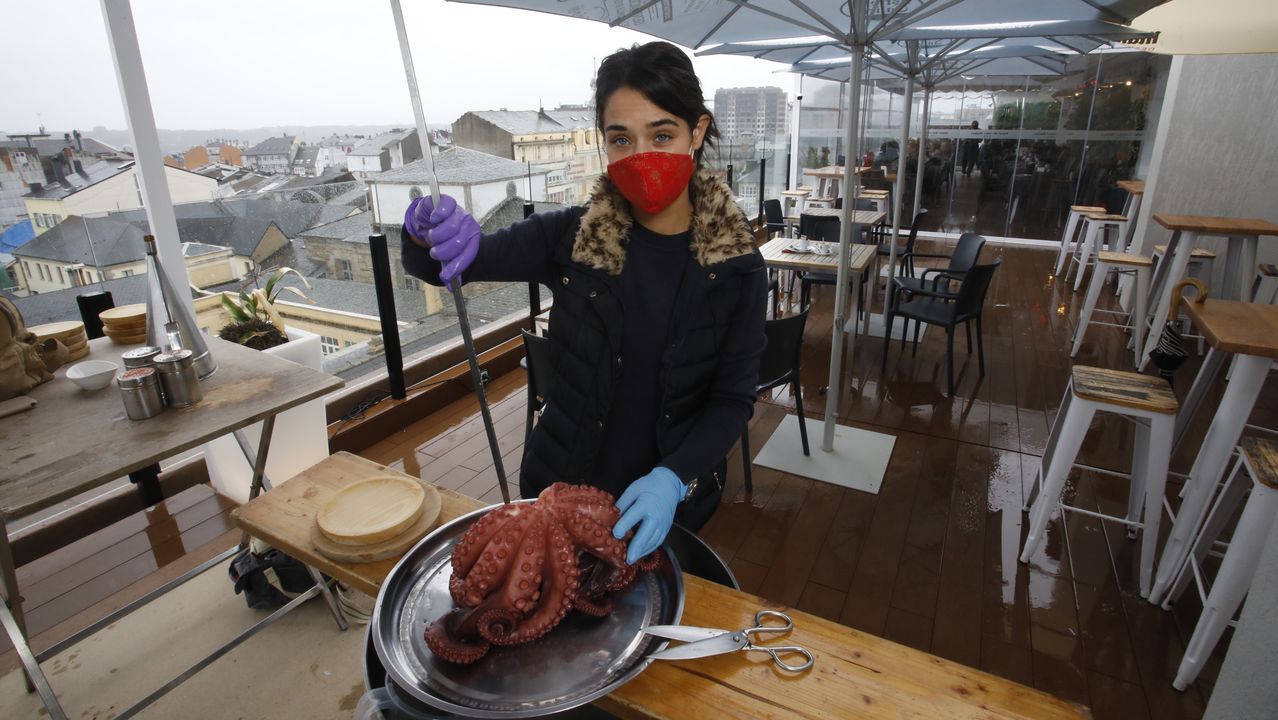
[[521, 568]]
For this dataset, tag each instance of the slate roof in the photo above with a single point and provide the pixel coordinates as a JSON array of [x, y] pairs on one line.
[[237, 223], [573, 118], [60, 305], [195, 249], [510, 211], [94, 172], [357, 226], [520, 122], [374, 146], [306, 156], [272, 146], [55, 143], [457, 166]]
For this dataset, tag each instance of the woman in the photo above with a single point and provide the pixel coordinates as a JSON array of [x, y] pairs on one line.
[[657, 325]]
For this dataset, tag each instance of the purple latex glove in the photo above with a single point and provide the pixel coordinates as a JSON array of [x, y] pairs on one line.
[[452, 233]]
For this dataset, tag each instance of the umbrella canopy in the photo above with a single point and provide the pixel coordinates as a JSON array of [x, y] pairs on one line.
[[858, 24]]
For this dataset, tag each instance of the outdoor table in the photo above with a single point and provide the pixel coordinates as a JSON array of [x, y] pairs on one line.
[[855, 674], [1249, 331], [1240, 261], [75, 440], [776, 255]]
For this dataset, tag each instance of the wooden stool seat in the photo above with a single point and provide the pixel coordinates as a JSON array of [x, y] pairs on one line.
[[1118, 258], [1088, 209], [1135, 187], [1198, 253], [1269, 270], [1106, 217], [1132, 390], [1262, 456]]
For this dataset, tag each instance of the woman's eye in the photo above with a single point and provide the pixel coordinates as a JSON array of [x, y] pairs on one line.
[[621, 140], [664, 137]]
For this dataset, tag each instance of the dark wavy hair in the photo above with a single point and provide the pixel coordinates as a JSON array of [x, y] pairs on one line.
[[664, 74]]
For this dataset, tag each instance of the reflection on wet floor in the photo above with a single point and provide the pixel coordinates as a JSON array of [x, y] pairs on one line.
[[931, 561]]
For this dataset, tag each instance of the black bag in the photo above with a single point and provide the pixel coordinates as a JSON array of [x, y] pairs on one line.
[[268, 579]]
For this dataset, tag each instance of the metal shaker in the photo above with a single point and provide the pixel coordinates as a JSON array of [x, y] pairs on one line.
[[178, 377], [140, 389], [140, 357]]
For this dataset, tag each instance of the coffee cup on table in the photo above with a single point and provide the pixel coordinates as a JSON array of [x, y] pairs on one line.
[[801, 244]]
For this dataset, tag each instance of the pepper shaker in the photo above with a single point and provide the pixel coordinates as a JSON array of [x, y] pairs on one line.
[[178, 377]]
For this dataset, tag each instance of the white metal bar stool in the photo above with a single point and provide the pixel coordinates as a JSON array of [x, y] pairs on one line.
[[1069, 239], [1259, 458], [1150, 403], [1096, 229], [1141, 267]]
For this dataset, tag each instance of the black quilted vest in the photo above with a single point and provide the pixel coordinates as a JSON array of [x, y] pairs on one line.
[[585, 330]]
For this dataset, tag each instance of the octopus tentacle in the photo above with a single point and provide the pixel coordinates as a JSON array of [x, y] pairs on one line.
[[559, 586], [473, 542], [496, 624], [444, 638], [490, 571]]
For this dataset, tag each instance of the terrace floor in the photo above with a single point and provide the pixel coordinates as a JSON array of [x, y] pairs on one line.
[[929, 562]]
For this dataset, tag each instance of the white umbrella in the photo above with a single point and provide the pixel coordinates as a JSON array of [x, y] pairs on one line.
[[858, 24]]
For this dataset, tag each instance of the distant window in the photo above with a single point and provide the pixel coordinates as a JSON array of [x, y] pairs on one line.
[[26, 267], [61, 278], [329, 345], [344, 269], [128, 273], [411, 283], [39, 220]]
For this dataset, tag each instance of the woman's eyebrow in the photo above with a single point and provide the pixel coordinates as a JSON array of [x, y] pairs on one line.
[[654, 124]]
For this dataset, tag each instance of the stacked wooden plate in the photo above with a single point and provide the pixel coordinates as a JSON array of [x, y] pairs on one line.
[[70, 333], [375, 518], [125, 325]]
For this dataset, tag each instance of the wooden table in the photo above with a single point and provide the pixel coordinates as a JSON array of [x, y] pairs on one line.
[[1240, 261], [856, 675], [776, 254], [1250, 332], [75, 440]]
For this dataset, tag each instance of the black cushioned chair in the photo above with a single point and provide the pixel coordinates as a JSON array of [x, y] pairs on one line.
[[947, 309], [780, 366]]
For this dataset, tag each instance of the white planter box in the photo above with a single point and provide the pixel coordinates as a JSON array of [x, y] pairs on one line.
[[299, 440]]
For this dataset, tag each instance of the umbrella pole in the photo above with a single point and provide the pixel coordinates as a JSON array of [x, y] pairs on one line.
[[897, 194], [850, 186], [794, 132], [918, 173], [463, 320]]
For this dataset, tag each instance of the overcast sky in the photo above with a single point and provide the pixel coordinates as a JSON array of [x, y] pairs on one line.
[[250, 63]]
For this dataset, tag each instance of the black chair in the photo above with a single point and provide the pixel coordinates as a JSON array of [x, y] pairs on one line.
[[780, 366], [772, 214], [965, 255], [537, 362], [948, 309], [885, 247]]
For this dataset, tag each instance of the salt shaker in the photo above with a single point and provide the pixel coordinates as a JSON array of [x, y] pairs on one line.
[[140, 389], [178, 377], [140, 357]]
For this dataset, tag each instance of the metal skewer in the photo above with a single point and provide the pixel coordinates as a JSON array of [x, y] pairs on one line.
[[463, 319]]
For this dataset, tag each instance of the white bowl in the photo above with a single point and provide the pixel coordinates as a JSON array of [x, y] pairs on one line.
[[92, 374]]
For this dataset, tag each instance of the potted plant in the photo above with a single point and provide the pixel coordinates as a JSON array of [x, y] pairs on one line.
[[255, 322], [300, 438]]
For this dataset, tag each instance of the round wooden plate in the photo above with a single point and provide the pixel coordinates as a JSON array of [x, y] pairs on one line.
[[59, 330], [130, 327], [395, 546], [371, 510], [127, 339], [123, 314]]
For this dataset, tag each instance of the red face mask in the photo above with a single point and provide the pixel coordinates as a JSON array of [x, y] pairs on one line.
[[652, 180]]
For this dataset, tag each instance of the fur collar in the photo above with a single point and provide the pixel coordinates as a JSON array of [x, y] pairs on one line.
[[719, 230]]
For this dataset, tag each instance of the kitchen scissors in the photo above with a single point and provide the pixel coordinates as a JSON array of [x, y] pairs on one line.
[[703, 642]]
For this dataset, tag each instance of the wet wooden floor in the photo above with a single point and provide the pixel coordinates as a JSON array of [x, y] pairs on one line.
[[930, 561]]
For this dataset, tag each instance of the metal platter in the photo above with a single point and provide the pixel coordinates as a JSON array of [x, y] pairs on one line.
[[582, 659]]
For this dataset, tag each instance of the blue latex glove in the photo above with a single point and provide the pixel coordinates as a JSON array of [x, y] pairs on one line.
[[650, 503], [452, 233]]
